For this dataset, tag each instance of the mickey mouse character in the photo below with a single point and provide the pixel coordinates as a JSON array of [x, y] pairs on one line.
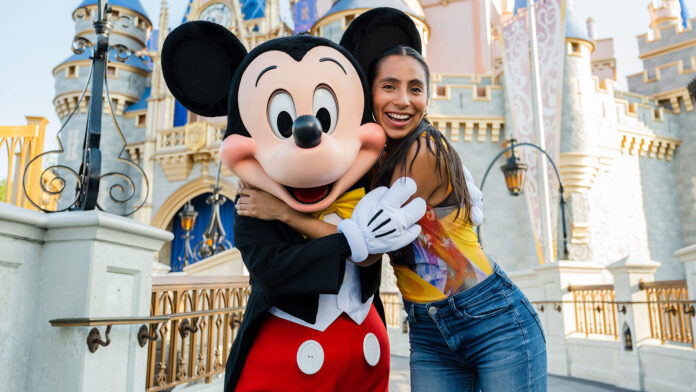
[[299, 128]]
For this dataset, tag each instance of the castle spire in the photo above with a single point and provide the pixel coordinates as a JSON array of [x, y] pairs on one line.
[[163, 24]]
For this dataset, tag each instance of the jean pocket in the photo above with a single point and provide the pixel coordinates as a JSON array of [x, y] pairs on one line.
[[535, 315], [496, 303], [409, 309]]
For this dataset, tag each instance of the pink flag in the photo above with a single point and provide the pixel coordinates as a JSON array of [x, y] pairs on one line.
[[516, 64]]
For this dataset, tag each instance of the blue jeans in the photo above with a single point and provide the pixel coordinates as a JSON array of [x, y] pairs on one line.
[[488, 337]]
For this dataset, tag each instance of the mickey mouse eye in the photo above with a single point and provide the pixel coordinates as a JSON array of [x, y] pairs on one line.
[[325, 108], [281, 113]]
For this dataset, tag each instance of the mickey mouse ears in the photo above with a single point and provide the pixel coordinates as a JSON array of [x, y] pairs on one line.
[[198, 62], [377, 31]]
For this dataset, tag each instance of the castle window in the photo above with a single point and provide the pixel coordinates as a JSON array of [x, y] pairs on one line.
[[575, 48], [71, 72], [111, 71], [665, 104], [441, 91], [115, 14], [140, 120], [658, 114], [632, 108], [347, 19], [481, 92]]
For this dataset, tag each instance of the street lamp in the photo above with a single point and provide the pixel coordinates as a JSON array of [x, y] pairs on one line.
[[213, 241], [89, 176], [514, 172], [187, 218]]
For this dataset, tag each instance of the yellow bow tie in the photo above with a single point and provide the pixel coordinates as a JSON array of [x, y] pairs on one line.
[[344, 205]]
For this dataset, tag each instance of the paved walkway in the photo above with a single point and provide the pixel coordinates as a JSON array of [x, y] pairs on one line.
[[399, 381]]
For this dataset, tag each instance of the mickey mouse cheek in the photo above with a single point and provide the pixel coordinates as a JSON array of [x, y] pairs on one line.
[[236, 149], [372, 136]]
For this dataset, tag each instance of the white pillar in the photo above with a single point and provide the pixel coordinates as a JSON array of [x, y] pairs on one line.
[[688, 257], [628, 272], [79, 265], [553, 285]]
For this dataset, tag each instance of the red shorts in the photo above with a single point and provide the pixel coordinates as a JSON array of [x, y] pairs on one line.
[[272, 363]]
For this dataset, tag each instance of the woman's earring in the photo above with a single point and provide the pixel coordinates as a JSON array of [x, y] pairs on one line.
[[373, 117]]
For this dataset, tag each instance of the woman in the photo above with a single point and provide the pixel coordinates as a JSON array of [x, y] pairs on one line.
[[470, 326]]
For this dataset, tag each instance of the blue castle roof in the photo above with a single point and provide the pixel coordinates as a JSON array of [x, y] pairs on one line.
[[133, 60], [574, 27], [343, 5], [142, 102], [251, 9], [130, 4]]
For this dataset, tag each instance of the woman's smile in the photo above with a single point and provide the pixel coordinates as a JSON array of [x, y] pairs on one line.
[[399, 95]]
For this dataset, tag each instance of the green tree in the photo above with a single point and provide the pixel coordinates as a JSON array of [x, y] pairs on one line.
[[3, 190]]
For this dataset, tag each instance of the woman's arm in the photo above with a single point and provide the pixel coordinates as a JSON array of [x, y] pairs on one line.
[[258, 204], [432, 186]]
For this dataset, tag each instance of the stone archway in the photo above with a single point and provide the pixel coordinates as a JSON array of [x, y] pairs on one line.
[[187, 192]]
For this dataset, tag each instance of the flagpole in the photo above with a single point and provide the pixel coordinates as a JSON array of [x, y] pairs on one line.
[[542, 171]]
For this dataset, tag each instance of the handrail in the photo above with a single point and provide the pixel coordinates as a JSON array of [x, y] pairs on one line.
[[166, 282], [92, 321], [94, 339], [661, 284], [590, 287]]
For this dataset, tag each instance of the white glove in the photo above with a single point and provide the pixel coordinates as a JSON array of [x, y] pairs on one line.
[[475, 197], [380, 224]]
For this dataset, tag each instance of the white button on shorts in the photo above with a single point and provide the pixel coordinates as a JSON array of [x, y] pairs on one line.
[[371, 349], [310, 357]]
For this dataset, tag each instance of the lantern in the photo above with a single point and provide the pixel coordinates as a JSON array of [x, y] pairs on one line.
[[188, 217], [514, 171]]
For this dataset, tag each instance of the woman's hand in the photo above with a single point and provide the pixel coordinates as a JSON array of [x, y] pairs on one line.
[[256, 203]]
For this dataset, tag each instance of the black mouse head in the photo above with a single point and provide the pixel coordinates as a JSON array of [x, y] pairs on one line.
[[298, 108]]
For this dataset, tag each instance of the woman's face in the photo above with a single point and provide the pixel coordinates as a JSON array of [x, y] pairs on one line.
[[399, 95]]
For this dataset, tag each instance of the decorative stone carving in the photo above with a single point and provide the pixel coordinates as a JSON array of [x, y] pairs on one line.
[[195, 135]]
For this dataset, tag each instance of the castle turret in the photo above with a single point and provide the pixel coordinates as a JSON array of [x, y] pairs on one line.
[[579, 131], [335, 21], [668, 14]]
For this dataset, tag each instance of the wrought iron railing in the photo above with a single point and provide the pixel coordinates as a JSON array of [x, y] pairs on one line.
[[204, 316], [595, 310], [670, 311]]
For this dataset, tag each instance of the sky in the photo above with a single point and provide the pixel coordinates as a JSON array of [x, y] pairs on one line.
[[35, 36]]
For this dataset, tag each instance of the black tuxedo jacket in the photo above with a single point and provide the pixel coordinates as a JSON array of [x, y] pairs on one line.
[[289, 272]]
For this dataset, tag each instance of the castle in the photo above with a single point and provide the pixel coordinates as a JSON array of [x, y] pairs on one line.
[[619, 309], [624, 155]]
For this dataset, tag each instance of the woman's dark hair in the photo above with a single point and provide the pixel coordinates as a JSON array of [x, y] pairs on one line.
[[396, 154]]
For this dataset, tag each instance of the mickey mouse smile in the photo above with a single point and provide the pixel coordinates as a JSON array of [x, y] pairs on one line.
[[310, 195]]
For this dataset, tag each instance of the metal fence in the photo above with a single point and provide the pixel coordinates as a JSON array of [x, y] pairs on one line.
[[670, 311], [204, 316], [595, 309]]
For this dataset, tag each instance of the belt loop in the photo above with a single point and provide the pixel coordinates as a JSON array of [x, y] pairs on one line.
[[452, 305]]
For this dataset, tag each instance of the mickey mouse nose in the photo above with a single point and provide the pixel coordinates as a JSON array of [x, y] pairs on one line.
[[307, 131]]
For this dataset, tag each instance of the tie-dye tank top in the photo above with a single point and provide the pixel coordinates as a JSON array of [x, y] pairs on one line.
[[444, 260]]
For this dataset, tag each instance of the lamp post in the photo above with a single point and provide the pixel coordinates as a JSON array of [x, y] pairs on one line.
[[514, 171], [187, 218], [213, 241], [89, 175]]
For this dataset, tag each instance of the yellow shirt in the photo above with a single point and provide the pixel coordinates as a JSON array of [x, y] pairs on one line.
[[446, 259]]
